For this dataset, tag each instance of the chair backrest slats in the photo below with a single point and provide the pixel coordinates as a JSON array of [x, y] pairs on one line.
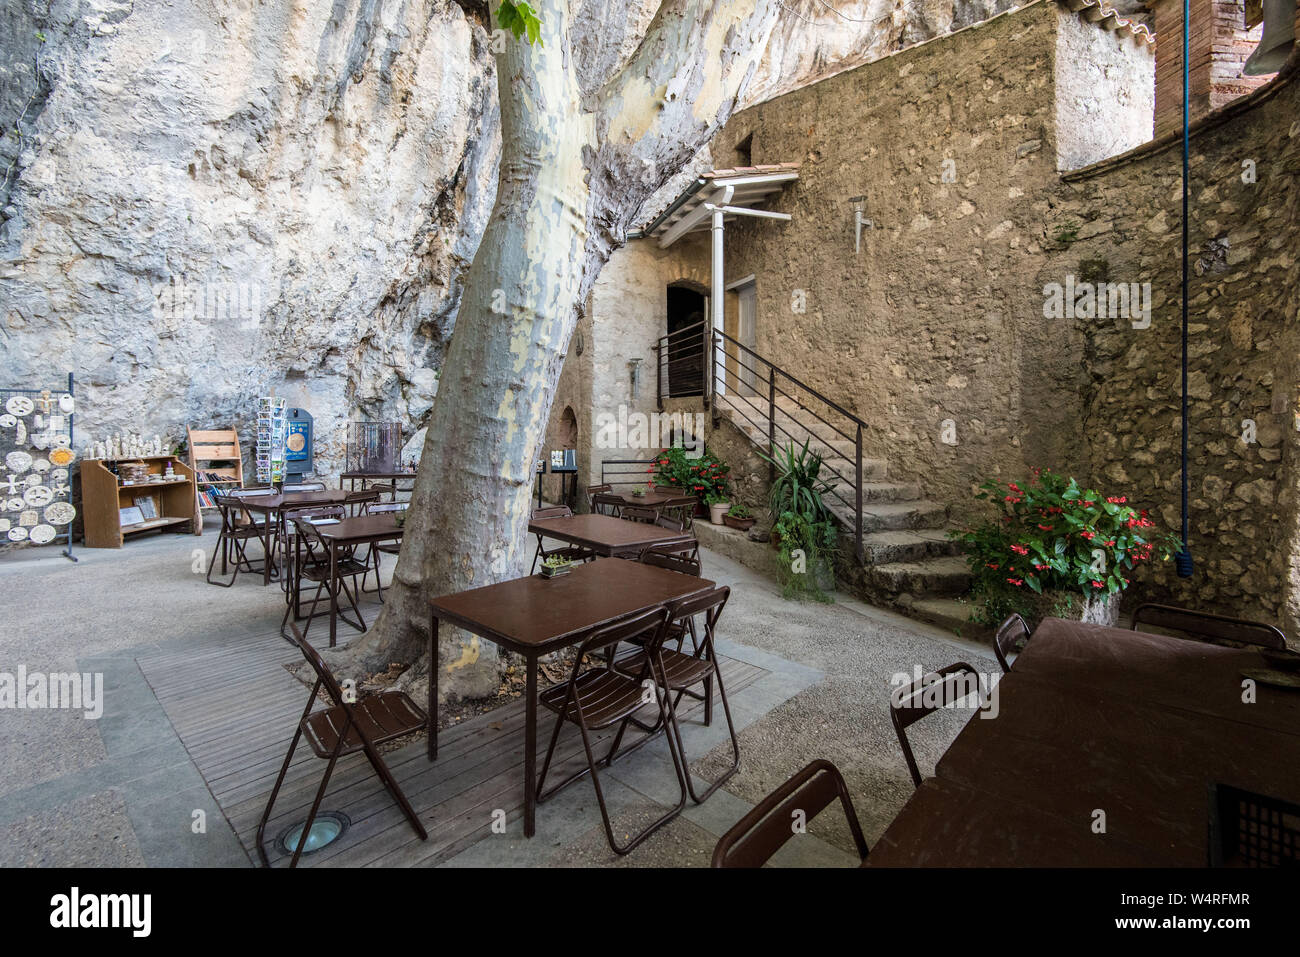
[[756, 837], [1011, 633], [1202, 624], [553, 511], [673, 562]]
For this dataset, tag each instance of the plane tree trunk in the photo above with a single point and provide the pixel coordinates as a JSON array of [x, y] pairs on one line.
[[578, 159]]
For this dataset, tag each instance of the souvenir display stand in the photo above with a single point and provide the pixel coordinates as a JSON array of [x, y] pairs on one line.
[[214, 445], [36, 451], [124, 498]]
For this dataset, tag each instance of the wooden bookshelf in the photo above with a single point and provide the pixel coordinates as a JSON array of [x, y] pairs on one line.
[[214, 445], [103, 495]]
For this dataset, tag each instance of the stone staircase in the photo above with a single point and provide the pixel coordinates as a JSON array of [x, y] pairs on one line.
[[908, 563]]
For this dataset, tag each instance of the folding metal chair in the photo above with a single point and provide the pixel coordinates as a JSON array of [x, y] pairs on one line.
[[303, 487], [359, 502], [384, 548], [756, 837], [311, 563], [599, 698], [593, 491], [1204, 626], [1252, 830], [678, 673], [238, 528], [910, 703], [1012, 636], [341, 729], [639, 513], [574, 553]]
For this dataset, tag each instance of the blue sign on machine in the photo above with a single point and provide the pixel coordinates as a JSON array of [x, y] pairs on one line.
[[297, 443]]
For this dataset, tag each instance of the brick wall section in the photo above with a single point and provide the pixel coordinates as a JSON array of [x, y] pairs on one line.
[[1220, 45]]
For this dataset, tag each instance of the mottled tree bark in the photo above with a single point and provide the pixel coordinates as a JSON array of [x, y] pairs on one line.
[[579, 157]]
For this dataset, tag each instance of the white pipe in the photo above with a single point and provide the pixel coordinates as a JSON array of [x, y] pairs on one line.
[[719, 292]]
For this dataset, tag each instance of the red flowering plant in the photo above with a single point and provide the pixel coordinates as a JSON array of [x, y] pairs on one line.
[[705, 475], [1056, 541]]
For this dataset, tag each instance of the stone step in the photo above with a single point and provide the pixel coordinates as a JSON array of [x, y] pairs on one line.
[[947, 613], [899, 515], [906, 545], [946, 575]]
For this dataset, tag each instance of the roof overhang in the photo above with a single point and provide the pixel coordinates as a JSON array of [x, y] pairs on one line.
[[737, 192]]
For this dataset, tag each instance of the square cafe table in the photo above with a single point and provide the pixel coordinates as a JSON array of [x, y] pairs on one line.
[[607, 536], [535, 616], [1135, 724], [275, 504], [346, 533]]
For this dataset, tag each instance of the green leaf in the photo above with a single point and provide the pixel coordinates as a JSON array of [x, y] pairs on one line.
[[521, 20]]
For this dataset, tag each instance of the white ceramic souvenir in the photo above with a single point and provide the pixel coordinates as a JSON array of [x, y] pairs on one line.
[[41, 440], [60, 440], [15, 505], [4, 524], [31, 480], [67, 403], [29, 518], [41, 465], [8, 421], [38, 496], [17, 534], [18, 461], [60, 513], [12, 485], [42, 534], [20, 433], [62, 456], [59, 475], [19, 405]]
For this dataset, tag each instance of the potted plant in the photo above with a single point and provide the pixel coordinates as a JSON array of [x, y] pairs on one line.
[[739, 516], [555, 566], [718, 506], [638, 492], [702, 476], [803, 530], [1056, 549]]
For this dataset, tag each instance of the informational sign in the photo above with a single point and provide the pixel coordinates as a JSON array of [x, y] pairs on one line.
[[298, 442], [564, 460]]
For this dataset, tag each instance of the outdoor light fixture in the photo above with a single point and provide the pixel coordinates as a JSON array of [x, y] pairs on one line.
[[860, 222], [327, 828], [634, 374]]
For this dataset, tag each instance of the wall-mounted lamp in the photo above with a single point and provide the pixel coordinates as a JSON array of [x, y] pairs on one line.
[[633, 374], [860, 221]]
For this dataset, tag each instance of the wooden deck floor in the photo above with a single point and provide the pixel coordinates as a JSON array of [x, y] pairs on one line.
[[235, 706]]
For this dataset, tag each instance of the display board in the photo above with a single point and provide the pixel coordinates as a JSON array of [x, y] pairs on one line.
[[36, 432]]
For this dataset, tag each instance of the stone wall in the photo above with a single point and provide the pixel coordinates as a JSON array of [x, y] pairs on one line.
[[1244, 340]]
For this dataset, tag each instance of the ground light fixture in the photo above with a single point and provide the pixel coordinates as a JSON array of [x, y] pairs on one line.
[[327, 828]]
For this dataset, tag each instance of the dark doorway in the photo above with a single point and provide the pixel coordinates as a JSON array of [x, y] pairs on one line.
[[684, 360]]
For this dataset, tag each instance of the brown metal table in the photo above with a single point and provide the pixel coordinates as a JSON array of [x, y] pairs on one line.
[[607, 536], [274, 506], [349, 532], [364, 477], [1136, 725], [653, 498], [534, 616]]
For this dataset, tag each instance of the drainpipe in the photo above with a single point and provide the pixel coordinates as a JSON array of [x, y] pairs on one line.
[[715, 360]]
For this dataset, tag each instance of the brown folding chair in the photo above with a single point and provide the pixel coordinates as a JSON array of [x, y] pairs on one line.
[[290, 488], [345, 728], [360, 502], [599, 698], [678, 674], [1204, 626], [639, 513], [238, 529], [384, 548], [288, 533], [756, 837], [689, 548], [574, 553], [684, 565], [311, 563], [592, 492], [1252, 830], [908, 704], [1012, 636]]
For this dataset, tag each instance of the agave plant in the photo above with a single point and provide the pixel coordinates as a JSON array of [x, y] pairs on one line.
[[798, 486]]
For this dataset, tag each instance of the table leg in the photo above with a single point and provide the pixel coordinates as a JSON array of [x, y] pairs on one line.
[[334, 594], [266, 550], [433, 688], [530, 749]]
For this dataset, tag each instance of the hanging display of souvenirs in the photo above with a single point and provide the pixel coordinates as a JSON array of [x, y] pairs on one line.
[[36, 453]]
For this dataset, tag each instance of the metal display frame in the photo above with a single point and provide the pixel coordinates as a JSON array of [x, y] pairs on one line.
[[7, 446]]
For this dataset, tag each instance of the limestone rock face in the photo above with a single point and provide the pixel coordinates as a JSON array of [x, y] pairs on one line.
[[213, 202]]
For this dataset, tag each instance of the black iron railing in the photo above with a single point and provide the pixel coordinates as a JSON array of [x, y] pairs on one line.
[[737, 377]]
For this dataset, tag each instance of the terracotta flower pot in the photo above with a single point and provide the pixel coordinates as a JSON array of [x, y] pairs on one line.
[[744, 524]]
